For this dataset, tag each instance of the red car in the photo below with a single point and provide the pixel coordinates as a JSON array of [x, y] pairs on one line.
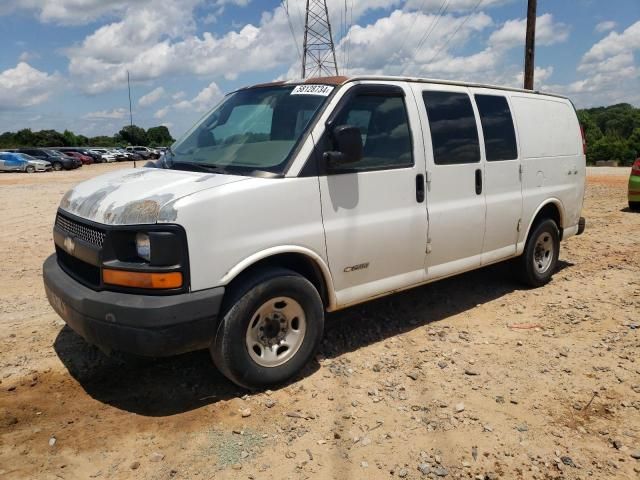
[[85, 159]]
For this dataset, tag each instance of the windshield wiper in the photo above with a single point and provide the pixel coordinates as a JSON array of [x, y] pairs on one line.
[[198, 167]]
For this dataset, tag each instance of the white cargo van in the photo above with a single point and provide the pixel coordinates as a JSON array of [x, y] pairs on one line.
[[295, 198]]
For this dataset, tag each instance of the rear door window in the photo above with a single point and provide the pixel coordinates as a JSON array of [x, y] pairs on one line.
[[454, 133], [497, 128]]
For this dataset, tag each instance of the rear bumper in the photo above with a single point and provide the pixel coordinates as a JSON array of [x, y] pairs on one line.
[[145, 325], [634, 188]]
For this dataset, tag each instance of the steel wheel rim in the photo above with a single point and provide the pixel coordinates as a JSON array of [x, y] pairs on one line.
[[543, 253], [276, 332]]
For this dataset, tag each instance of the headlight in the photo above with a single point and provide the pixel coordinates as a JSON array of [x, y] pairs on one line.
[[143, 246]]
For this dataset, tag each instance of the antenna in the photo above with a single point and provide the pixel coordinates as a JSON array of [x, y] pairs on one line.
[[319, 56], [130, 112]]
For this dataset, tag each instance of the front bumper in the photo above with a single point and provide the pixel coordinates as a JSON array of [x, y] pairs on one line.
[[154, 326]]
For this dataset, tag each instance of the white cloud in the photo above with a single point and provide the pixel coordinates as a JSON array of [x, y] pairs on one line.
[[67, 11], [178, 95], [605, 26], [25, 86], [205, 100], [160, 114], [378, 49], [28, 56], [116, 113], [512, 33], [156, 39], [452, 5], [608, 72], [152, 97], [614, 44], [152, 41]]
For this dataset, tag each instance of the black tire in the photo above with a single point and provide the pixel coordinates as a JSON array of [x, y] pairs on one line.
[[30, 169], [536, 273], [229, 350], [57, 166], [634, 206]]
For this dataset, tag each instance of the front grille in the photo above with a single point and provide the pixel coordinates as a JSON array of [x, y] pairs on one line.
[[84, 232], [82, 271]]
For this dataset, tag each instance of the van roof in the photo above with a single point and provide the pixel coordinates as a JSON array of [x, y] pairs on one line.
[[341, 80]]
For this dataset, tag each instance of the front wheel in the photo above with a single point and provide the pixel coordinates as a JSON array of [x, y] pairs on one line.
[[271, 331], [57, 166], [30, 169], [538, 261], [634, 206]]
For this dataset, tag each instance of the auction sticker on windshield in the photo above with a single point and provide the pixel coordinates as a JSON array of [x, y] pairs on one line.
[[323, 90]]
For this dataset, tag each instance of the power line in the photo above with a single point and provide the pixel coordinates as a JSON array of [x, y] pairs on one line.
[[285, 6], [348, 43], [434, 23], [429, 30], [408, 36], [462, 24]]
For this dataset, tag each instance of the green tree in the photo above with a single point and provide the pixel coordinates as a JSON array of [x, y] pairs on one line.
[[159, 136], [134, 135]]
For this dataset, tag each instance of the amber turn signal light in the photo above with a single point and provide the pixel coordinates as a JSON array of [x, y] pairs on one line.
[[155, 281]]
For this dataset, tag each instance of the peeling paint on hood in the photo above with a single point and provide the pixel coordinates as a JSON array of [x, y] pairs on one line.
[[140, 196]]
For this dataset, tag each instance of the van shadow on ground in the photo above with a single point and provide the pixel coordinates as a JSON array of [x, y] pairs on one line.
[[163, 387]]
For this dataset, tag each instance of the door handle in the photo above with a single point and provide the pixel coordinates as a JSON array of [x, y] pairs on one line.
[[420, 188], [478, 181]]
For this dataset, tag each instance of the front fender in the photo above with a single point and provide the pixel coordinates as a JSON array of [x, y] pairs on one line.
[[274, 251]]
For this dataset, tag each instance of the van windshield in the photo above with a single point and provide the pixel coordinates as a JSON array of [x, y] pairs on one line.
[[251, 130]]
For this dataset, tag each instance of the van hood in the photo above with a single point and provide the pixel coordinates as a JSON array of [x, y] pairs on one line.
[[138, 196]]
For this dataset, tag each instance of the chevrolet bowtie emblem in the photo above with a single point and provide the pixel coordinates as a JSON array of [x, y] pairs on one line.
[[69, 245]]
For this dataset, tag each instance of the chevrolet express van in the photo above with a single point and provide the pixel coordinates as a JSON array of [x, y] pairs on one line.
[[292, 199]]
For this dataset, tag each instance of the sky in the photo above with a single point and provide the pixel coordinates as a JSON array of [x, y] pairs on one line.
[[64, 63]]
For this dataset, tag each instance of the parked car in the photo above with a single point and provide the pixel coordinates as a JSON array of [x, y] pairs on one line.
[[85, 159], [128, 155], [57, 160], [634, 186], [20, 162], [120, 156], [83, 151], [146, 152], [105, 155], [347, 189]]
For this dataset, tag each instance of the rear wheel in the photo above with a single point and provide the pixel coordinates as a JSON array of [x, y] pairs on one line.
[[57, 166], [30, 169], [634, 206], [270, 331], [538, 262]]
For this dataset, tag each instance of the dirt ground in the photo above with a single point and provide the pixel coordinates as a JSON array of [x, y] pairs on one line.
[[471, 377]]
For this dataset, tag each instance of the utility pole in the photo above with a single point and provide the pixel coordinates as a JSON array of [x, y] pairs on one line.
[[530, 45], [319, 57], [130, 112]]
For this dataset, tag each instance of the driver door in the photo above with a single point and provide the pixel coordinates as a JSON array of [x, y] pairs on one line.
[[374, 210]]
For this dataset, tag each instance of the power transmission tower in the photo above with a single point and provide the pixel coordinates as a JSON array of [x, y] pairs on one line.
[[319, 57], [530, 45]]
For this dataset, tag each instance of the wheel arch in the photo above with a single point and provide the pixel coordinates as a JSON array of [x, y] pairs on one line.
[[301, 260], [551, 208]]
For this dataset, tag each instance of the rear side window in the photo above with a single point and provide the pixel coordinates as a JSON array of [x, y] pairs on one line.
[[497, 127], [454, 134], [384, 127]]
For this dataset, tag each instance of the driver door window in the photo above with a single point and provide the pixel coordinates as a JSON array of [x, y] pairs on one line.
[[384, 128]]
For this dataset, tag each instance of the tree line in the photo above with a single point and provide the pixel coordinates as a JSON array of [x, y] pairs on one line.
[[613, 133], [129, 135]]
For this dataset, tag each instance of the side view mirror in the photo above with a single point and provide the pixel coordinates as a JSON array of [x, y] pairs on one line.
[[347, 141]]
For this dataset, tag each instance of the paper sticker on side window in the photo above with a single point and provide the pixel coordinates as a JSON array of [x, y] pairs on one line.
[[323, 90]]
